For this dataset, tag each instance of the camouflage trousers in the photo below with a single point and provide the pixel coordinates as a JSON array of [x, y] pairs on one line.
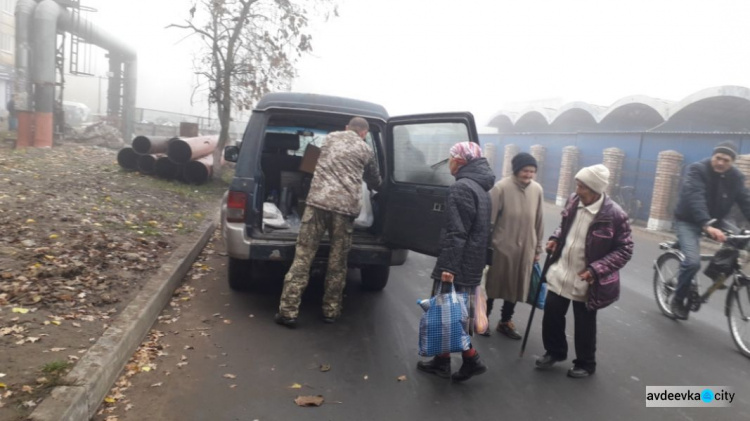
[[315, 222]]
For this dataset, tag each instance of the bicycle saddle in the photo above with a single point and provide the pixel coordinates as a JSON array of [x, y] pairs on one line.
[[670, 245]]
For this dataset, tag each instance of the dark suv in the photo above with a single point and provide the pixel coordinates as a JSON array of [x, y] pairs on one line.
[[273, 170]]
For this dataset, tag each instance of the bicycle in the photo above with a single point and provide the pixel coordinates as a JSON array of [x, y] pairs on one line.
[[737, 304], [625, 197]]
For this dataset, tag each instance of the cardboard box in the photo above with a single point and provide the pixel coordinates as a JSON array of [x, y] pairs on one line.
[[310, 159]]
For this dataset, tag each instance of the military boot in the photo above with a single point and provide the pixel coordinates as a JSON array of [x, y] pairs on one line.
[[439, 366], [471, 367]]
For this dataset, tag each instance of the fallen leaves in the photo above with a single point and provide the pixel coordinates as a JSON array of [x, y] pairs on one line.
[[230, 376], [401, 378], [15, 329], [307, 401], [325, 367]]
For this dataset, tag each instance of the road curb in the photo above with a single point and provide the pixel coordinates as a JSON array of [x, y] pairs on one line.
[[93, 376]]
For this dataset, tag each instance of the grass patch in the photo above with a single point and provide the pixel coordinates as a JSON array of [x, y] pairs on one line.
[[54, 373], [56, 368]]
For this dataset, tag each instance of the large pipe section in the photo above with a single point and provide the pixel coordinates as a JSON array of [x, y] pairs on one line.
[[199, 170], [184, 150], [167, 169], [48, 17], [147, 163], [150, 144], [127, 158]]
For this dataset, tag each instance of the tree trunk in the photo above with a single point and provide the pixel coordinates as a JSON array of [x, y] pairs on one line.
[[224, 107]]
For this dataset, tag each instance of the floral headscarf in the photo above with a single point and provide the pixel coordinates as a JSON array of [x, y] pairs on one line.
[[466, 151]]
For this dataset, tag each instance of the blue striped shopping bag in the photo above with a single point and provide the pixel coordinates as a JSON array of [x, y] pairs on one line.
[[442, 327]]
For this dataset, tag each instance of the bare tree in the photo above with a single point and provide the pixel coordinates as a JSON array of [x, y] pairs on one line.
[[250, 48]]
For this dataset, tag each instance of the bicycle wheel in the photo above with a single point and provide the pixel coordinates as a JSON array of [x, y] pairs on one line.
[[738, 316], [666, 269]]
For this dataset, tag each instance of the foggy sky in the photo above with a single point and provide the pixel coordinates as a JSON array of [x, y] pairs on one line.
[[483, 56]]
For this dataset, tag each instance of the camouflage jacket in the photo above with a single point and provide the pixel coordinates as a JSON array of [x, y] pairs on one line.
[[345, 159]]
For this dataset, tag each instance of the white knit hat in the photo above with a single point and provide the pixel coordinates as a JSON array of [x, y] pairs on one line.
[[595, 177]]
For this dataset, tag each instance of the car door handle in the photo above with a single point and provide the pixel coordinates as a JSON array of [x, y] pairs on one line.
[[438, 207]]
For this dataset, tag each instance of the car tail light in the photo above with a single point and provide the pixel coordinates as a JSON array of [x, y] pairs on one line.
[[236, 203]]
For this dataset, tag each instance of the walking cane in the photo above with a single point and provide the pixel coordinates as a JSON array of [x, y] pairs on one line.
[[543, 279]]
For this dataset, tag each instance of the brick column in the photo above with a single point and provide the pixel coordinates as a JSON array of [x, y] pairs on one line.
[[613, 160], [510, 152], [489, 153], [666, 183], [539, 152], [743, 164], [568, 169]]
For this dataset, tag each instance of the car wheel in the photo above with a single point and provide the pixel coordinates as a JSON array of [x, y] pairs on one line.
[[238, 274], [375, 277]]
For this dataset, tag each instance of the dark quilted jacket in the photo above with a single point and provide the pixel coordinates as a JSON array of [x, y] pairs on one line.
[[609, 246], [466, 229], [706, 195]]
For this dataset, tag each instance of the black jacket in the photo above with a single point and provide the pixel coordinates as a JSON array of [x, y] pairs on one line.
[[466, 231], [706, 195]]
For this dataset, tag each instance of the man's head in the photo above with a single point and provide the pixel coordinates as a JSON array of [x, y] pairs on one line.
[[723, 157], [591, 182], [359, 125], [524, 167]]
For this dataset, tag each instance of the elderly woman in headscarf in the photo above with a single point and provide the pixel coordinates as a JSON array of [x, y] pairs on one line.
[[463, 243], [517, 234]]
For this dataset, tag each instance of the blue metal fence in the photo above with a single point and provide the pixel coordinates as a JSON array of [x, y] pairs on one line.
[[641, 154]]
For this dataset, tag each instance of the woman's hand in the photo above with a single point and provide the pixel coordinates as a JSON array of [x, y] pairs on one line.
[[551, 246], [586, 276], [446, 277]]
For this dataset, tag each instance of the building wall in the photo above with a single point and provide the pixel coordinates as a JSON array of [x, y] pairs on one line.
[[7, 32], [7, 55], [641, 152]]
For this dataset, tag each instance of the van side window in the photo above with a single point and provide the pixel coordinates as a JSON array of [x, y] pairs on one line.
[[421, 152]]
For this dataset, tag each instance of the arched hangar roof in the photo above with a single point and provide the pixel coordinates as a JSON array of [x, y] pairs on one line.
[[724, 108]]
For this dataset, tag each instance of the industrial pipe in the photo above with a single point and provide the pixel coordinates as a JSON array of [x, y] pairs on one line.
[[150, 144], [127, 158], [23, 92], [147, 163], [184, 150], [199, 171], [43, 70], [167, 169], [48, 17]]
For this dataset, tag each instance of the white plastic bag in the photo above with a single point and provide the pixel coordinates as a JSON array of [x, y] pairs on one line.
[[272, 216], [366, 217]]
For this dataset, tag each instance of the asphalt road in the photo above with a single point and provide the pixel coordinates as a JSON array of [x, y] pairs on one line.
[[375, 342]]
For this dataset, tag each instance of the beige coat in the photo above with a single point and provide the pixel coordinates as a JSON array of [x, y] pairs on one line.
[[517, 235]]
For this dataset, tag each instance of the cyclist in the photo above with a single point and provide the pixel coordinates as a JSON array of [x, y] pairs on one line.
[[710, 189]]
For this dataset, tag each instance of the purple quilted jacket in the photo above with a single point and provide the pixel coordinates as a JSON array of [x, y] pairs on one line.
[[609, 246]]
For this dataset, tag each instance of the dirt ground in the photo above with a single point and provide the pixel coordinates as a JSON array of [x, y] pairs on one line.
[[79, 237]]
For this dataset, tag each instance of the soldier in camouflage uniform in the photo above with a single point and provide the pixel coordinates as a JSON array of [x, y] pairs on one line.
[[332, 204]]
